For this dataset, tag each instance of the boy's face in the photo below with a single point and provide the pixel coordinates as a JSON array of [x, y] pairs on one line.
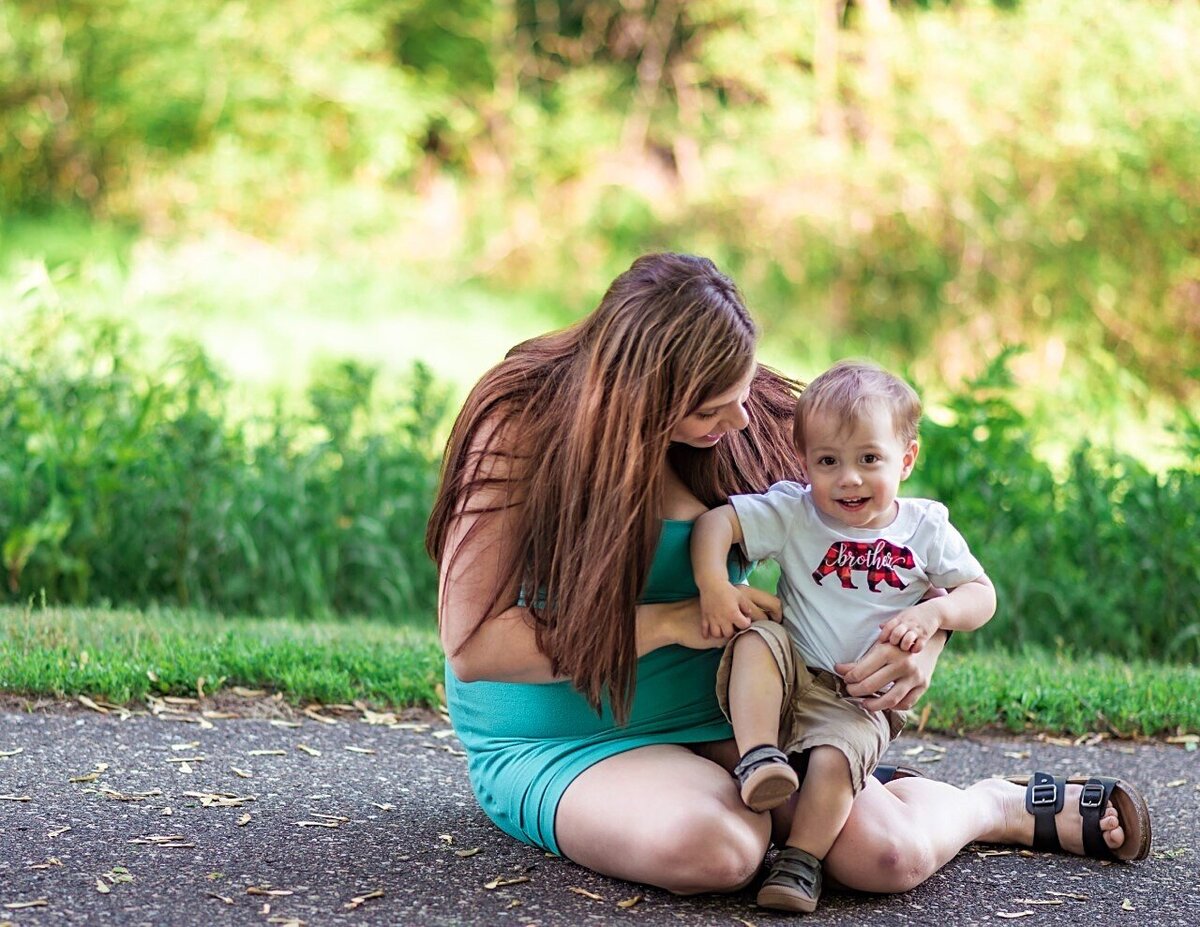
[[856, 468]]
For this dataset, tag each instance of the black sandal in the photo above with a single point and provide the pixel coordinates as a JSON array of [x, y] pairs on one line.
[[886, 773], [1045, 795], [766, 778], [794, 882]]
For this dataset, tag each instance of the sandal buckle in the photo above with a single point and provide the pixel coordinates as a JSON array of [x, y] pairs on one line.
[[1092, 796], [1045, 794]]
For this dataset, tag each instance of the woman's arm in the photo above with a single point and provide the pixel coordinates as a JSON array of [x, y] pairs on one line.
[[504, 647]]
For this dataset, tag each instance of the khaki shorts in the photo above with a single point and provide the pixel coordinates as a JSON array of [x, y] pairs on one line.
[[816, 711]]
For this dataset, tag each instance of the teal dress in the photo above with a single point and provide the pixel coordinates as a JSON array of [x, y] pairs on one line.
[[526, 742]]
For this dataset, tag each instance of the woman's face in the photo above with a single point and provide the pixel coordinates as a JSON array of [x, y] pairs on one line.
[[715, 417]]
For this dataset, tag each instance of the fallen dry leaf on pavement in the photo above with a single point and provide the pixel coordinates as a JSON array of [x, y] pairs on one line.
[[243, 820], [224, 898], [1127, 905], [984, 854], [166, 841], [585, 893], [629, 902], [316, 823], [1014, 914], [242, 773], [102, 887], [312, 713], [1075, 895], [124, 796], [358, 900], [500, 881], [88, 703], [15, 798], [267, 890], [466, 853], [307, 749], [4, 753], [48, 864], [37, 903], [59, 831], [359, 750], [268, 753], [1038, 901], [1175, 783], [220, 799], [92, 776]]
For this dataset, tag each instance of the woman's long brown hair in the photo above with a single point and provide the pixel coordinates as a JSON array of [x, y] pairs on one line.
[[580, 421]]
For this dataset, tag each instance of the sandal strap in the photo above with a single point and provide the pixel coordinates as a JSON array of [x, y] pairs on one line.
[[1044, 798], [758, 756], [794, 866], [1096, 792]]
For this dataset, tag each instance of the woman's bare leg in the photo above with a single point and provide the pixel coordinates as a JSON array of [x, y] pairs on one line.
[[664, 816], [897, 836]]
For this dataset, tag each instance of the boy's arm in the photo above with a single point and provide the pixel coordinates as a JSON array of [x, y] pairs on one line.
[[722, 608], [963, 608], [715, 532]]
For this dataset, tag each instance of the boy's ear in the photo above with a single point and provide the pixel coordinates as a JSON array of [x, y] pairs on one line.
[[804, 467], [910, 459]]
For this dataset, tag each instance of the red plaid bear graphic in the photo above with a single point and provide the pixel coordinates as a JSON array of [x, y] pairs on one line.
[[878, 559]]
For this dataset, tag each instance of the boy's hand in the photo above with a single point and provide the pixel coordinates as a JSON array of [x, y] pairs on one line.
[[910, 629], [723, 610]]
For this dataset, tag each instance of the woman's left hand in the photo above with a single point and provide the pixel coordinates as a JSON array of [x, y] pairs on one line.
[[908, 673]]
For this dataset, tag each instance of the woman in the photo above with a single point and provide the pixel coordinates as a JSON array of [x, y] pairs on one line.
[[577, 675]]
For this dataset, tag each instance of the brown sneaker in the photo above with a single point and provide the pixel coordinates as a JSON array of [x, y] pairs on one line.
[[766, 778], [794, 882]]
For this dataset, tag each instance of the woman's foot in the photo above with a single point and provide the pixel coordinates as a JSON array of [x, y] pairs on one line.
[[1015, 825]]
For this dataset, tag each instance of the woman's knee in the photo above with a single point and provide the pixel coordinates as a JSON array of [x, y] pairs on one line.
[[873, 855], [719, 851]]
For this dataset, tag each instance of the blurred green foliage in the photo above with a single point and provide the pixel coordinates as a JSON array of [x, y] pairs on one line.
[[126, 483], [1102, 558], [930, 177]]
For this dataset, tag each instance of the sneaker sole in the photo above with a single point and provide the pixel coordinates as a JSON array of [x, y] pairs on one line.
[[783, 899]]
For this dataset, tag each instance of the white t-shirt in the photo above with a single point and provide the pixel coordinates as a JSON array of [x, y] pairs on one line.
[[839, 584]]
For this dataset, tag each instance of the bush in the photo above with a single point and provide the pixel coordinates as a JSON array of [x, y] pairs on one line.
[[133, 485], [1105, 559]]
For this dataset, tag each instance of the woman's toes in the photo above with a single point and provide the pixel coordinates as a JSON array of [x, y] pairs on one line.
[[1110, 827]]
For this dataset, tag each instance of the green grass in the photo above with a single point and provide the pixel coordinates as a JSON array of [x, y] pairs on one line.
[[42, 652], [111, 654]]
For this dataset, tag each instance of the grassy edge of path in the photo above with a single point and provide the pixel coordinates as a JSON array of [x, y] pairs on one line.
[[123, 656]]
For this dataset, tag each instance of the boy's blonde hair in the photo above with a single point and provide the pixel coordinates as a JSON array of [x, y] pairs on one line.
[[849, 389]]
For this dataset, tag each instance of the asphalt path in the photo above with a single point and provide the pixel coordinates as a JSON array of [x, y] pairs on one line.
[[198, 814]]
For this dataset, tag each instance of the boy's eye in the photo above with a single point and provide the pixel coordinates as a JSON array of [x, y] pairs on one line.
[[826, 461], [870, 458]]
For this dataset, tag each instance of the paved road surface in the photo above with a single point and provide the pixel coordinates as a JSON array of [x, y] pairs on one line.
[[324, 815]]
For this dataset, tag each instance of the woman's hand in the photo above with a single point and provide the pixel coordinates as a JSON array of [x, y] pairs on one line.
[[682, 622], [906, 676]]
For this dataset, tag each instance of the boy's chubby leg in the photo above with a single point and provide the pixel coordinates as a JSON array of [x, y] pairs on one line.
[[752, 690], [821, 810]]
